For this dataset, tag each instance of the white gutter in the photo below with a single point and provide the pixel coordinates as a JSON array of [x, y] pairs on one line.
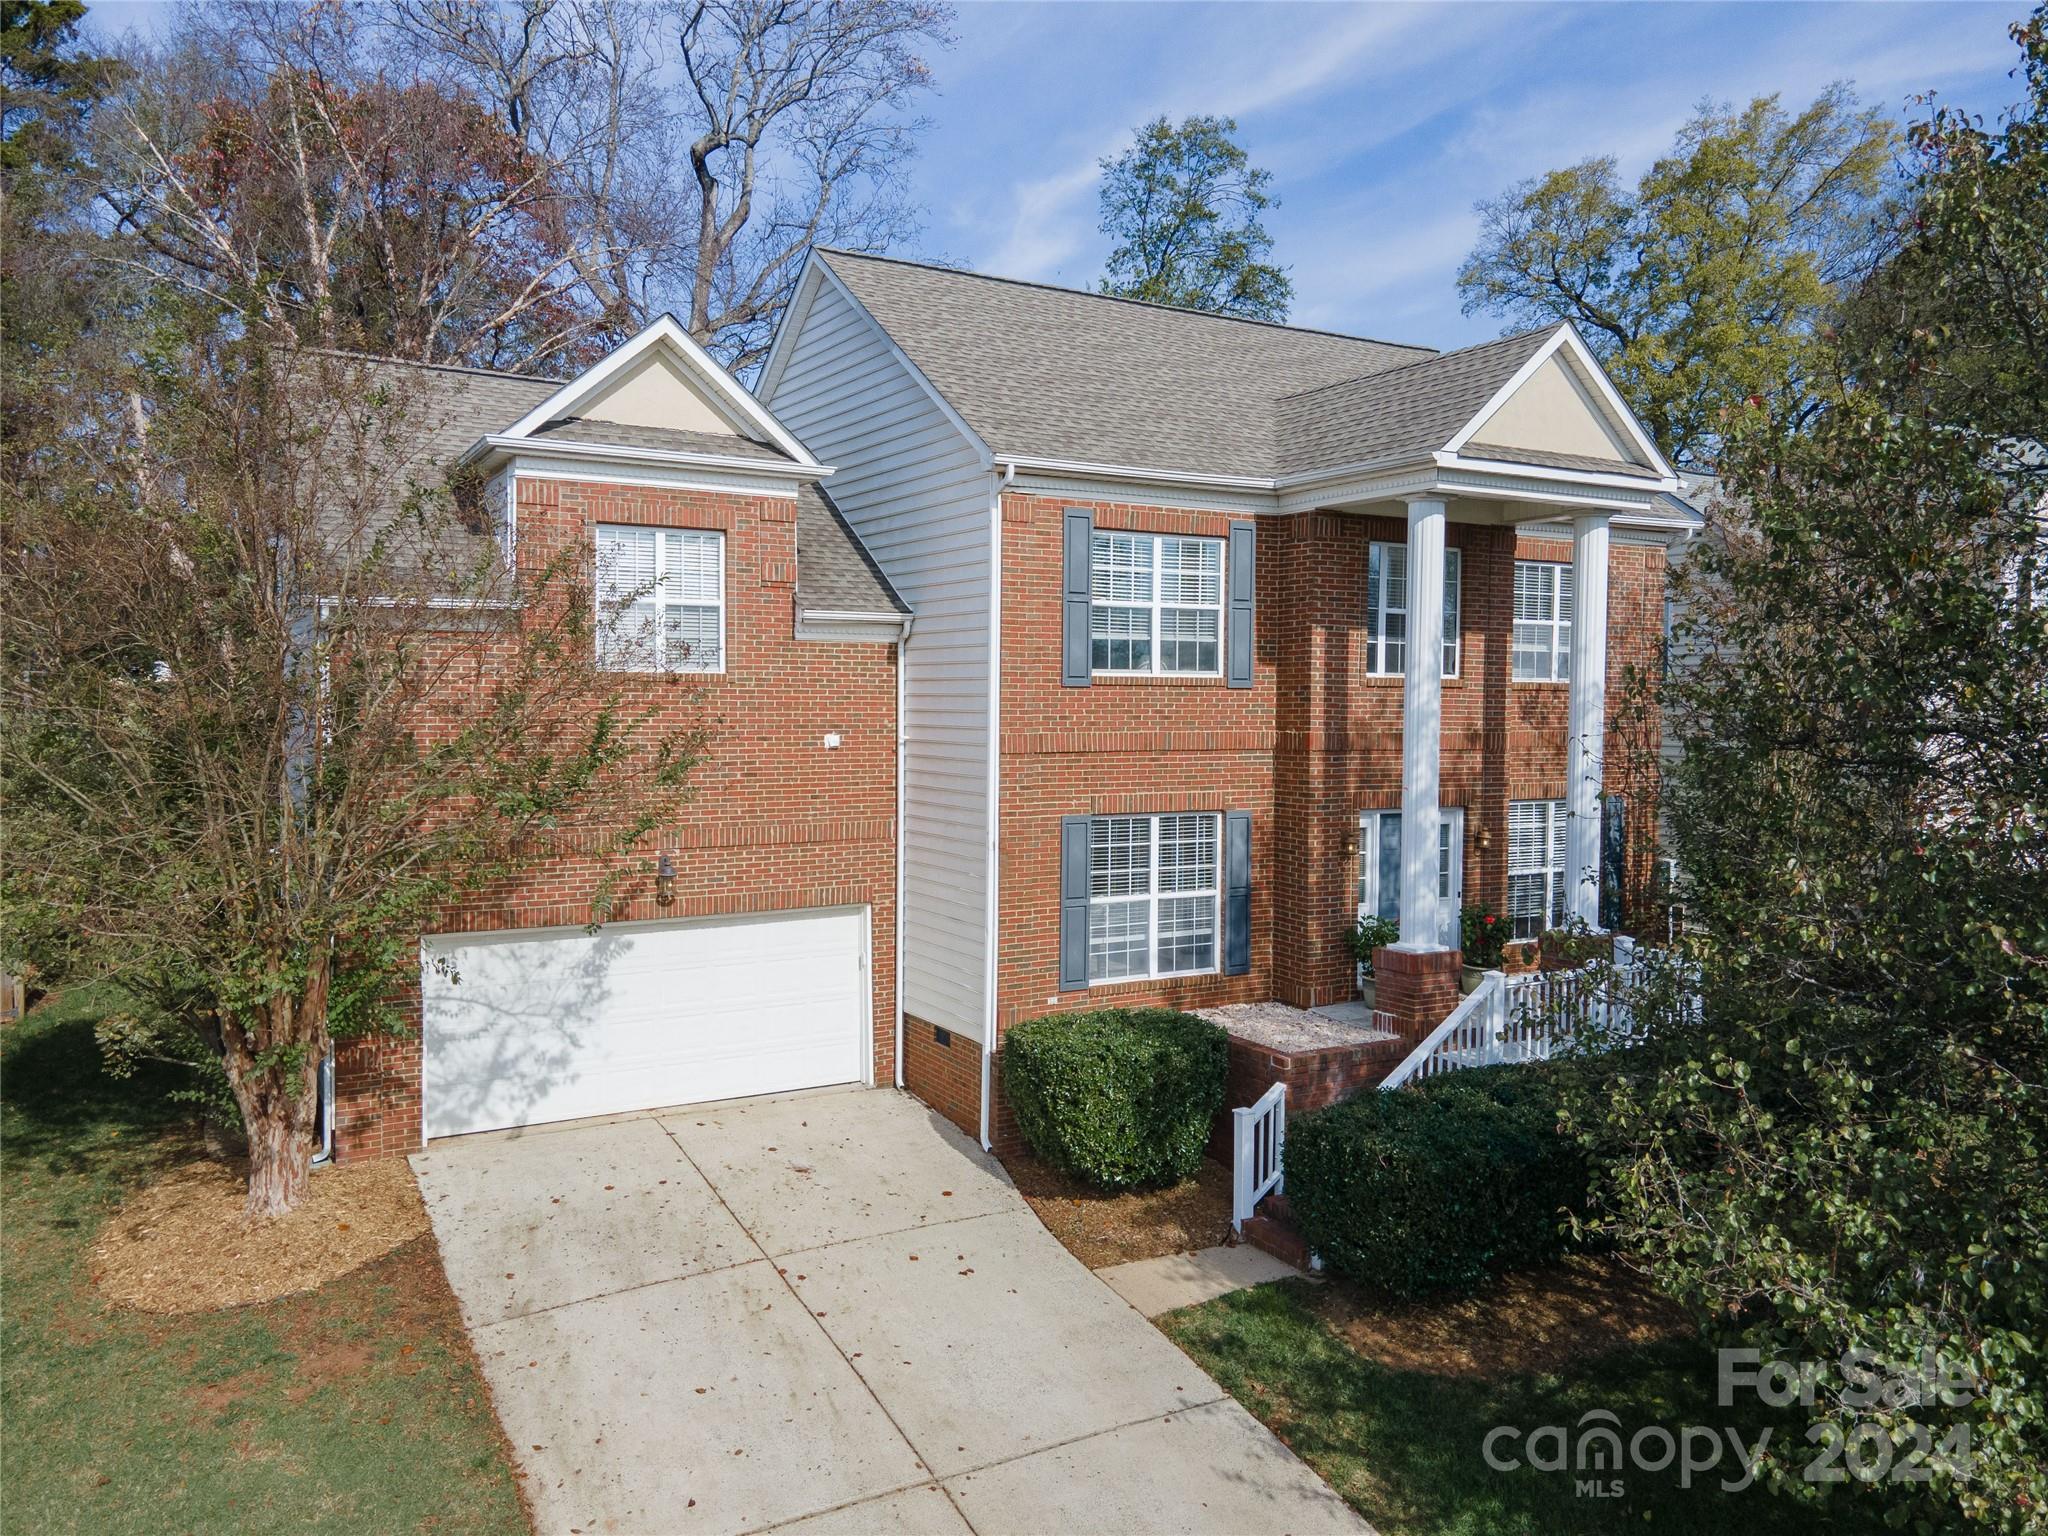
[[1280, 485], [995, 785], [667, 458]]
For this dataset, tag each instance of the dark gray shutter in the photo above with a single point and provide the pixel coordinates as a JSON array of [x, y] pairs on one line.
[[1243, 558], [1074, 852], [1237, 892], [1074, 647], [1613, 860]]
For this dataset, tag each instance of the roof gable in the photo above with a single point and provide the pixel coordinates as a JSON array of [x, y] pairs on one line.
[[662, 380], [1402, 413]]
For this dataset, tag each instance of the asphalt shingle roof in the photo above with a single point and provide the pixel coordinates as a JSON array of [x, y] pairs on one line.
[[1416, 409], [1053, 373], [834, 571]]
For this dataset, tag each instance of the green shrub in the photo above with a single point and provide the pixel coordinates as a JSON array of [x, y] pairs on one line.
[[1429, 1191], [1117, 1097]]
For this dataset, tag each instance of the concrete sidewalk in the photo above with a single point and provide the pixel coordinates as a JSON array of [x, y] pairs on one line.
[[1155, 1286], [825, 1313]]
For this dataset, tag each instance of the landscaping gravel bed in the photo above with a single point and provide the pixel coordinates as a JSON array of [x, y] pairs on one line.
[[1280, 1027]]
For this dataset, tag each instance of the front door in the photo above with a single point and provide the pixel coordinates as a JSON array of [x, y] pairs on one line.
[[1379, 867]]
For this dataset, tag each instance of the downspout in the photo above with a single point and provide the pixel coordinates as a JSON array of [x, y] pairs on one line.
[[995, 784], [902, 739]]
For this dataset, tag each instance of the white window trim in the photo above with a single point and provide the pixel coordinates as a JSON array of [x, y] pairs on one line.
[[1153, 896], [1557, 856], [1559, 625], [661, 575], [1376, 612], [1449, 816], [1154, 605]]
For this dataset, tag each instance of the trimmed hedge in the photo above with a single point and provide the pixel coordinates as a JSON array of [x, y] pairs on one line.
[[1429, 1191], [1117, 1097]]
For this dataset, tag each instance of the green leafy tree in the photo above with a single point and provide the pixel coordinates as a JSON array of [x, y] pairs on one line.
[[1183, 205], [49, 297], [275, 701], [1847, 1146], [1708, 284]]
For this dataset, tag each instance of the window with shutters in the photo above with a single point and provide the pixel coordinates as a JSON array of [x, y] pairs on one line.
[[660, 599], [1543, 621], [1386, 610], [1156, 604], [1153, 896], [1536, 860]]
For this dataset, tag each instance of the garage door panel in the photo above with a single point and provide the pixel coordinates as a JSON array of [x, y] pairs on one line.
[[523, 1028]]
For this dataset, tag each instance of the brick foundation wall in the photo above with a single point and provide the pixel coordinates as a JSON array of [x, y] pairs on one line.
[[776, 821], [1314, 1079], [947, 1077], [1313, 743]]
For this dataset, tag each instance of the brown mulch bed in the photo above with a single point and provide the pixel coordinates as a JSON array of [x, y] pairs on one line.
[[1539, 1320], [1101, 1230], [180, 1244]]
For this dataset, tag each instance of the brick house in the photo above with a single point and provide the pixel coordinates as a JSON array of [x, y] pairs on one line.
[[1164, 734], [766, 960]]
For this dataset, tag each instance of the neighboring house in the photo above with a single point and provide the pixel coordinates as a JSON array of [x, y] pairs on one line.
[[1164, 731], [771, 964]]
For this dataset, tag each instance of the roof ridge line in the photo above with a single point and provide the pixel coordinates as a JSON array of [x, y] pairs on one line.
[[1420, 362], [1115, 298]]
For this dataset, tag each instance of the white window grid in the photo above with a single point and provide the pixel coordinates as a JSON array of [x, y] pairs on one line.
[[1156, 604], [1154, 896], [1543, 621], [1379, 866], [1536, 866], [660, 599], [1386, 610]]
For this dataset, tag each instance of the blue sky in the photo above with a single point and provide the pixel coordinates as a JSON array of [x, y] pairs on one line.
[[1382, 124]]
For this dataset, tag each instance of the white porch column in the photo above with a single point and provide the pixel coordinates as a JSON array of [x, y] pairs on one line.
[[1422, 725], [1587, 744]]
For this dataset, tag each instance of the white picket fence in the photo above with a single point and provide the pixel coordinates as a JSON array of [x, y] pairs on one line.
[[1258, 1141]]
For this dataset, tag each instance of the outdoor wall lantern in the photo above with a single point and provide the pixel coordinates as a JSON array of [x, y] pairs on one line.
[[1485, 838], [664, 882]]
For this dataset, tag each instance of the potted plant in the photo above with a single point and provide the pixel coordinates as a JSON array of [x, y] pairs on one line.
[[1482, 936], [1365, 936]]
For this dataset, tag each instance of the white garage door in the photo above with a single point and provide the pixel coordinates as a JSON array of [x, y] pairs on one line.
[[539, 1025]]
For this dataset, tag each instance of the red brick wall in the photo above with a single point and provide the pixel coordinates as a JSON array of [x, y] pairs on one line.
[[776, 821], [947, 1077], [1312, 743]]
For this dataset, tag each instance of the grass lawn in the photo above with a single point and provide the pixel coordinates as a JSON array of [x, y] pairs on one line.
[[357, 1407], [1405, 1446]]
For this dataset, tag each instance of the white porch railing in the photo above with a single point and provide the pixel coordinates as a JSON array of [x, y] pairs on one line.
[[1258, 1140], [1526, 1017], [1470, 1037]]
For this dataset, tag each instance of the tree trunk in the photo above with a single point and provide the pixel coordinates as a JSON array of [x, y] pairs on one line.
[[279, 1099], [280, 1163]]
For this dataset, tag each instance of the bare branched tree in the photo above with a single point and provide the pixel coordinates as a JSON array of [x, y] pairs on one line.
[[791, 118], [264, 152]]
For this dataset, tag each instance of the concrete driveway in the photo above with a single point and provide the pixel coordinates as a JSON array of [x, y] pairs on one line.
[[829, 1313]]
